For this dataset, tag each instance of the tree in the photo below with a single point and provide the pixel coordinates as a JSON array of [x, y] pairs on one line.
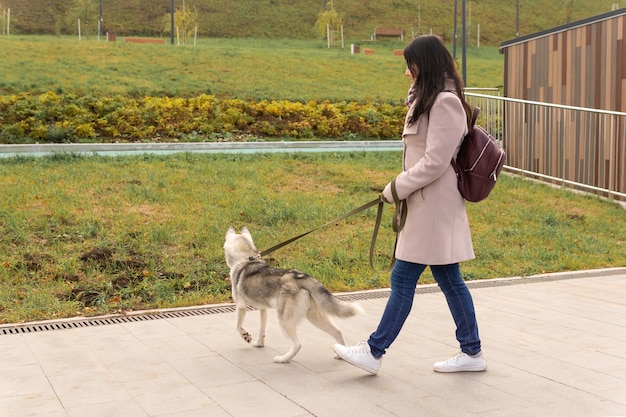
[[185, 21], [328, 23]]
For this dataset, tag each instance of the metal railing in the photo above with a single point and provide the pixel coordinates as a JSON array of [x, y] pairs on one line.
[[577, 147]]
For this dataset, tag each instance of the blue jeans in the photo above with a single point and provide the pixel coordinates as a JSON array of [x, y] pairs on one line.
[[404, 277]]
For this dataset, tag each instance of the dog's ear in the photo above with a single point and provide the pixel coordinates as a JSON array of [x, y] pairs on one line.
[[230, 231], [246, 233]]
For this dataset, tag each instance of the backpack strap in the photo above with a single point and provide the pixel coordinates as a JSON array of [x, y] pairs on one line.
[[470, 127], [474, 118]]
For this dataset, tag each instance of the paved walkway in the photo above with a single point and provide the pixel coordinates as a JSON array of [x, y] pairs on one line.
[[556, 346]]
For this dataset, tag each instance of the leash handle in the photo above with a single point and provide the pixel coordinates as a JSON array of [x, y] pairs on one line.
[[399, 219], [350, 213], [379, 216]]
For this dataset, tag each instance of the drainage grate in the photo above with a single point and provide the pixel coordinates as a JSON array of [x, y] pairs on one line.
[[230, 308], [103, 321]]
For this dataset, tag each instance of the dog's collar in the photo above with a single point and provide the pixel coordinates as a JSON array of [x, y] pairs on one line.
[[255, 257]]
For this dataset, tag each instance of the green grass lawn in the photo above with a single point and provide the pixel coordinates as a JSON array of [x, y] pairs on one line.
[[87, 235], [300, 70]]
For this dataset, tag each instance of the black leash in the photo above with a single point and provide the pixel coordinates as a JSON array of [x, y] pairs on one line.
[[398, 222], [365, 206]]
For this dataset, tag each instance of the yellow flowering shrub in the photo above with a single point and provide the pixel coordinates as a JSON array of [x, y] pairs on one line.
[[52, 117]]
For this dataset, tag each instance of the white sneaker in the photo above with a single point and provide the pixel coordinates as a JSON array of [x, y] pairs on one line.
[[462, 362], [359, 356]]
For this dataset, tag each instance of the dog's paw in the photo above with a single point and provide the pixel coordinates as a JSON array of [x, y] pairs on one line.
[[258, 343], [246, 336], [281, 359]]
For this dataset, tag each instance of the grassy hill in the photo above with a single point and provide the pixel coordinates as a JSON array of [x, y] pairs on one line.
[[296, 18]]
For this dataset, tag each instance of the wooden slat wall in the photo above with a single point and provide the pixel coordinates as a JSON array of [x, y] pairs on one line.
[[585, 67]]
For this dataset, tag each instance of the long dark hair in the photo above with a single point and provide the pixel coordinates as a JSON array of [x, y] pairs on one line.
[[435, 64]]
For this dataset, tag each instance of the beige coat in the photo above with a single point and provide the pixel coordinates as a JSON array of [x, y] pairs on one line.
[[437, 229]]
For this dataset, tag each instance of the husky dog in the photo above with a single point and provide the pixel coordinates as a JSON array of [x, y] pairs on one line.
[[292, 293]]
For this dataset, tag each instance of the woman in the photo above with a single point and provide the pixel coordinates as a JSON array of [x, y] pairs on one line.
[[436, 232]]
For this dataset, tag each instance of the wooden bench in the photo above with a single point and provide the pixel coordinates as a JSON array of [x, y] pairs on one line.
[[395, 33], [144, 40]]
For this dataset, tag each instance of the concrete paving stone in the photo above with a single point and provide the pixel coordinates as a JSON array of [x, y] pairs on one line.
[[152, 329], [496, 336], [569, 374], [590, 357], [231, 346], [422, 405], [51, 341], [111, 339], [616, 396], [87, 387], [616, 371], [61, 352], [579, 306], [521, 408], [430, 347], [203, 325], [426, 323], [63, 362], [405, 366], [134, 365], [168, 395], [128, 408], [558, 327], [547, 355], [347, 398], [313, 357], [281, 377], [211, 371], [245, 355], [499, 373], [464, 392], [15, 352], [560, 398], [174, 349], [576, 325], [23, 380], [214, 331], [253, 399], [448, 403], [339, 405], [42, 404], [213, 411]]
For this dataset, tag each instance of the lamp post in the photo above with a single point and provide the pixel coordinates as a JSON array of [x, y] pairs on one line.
[[517, 21], [100, 21], [464, 44], [454, 34], [172, 23]]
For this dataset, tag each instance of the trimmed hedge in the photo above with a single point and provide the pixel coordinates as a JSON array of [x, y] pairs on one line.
[[67, 118]]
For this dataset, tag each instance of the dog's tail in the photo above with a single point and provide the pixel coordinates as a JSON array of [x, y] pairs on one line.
[[327, 302]]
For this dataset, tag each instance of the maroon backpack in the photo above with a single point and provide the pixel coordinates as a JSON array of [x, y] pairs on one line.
[[478, 163]]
